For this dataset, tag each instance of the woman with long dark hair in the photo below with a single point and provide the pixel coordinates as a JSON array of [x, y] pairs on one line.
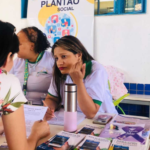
[[12, 98], [73, 64]]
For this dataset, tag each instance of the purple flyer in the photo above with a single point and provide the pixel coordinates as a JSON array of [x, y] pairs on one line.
[[124, 132]]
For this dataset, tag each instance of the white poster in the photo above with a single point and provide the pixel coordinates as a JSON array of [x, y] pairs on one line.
[[57, 18]]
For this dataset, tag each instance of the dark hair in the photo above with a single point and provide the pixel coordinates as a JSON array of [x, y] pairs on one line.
[[8, 41], [72, 44], [37, 37]]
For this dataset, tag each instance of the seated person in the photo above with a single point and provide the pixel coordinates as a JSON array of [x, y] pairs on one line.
[[12, 98], [33, 67], [73, 64]]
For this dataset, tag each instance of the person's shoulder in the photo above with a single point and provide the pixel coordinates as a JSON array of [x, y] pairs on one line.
[[98, 74], [96, 66], [9, 78], [47, 53], [18, 61], [11, 93], [49, 57]]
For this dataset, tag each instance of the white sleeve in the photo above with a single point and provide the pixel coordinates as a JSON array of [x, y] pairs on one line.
[[52, 89], [12, 94], [97, 86]]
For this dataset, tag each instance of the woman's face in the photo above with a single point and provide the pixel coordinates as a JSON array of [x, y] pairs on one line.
[[25, 46], [65, 59]]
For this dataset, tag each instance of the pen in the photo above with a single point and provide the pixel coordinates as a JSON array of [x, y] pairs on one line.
[[48, 107]]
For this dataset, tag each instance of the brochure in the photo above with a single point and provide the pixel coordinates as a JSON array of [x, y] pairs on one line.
[[63, 140], [125, 132], [91, 129], [94, 143], [133, 121], [102, 119], [125, 145]]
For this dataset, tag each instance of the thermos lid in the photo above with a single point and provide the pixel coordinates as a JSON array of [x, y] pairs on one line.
[[70, 91], [70, 87]]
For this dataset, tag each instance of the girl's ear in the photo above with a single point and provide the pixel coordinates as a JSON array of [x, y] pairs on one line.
[[8, 59], [32, 47]]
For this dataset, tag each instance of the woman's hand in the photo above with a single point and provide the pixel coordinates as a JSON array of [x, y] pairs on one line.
[[77, 72], [40, 129], [49, 114], [64, 147]]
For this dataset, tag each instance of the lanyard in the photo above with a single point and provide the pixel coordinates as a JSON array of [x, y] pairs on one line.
[[26, 73]]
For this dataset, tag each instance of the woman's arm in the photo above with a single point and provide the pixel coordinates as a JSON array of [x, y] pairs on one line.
[[1, 126], [86, 104], [15, 131], [52, 104], [88, 107]]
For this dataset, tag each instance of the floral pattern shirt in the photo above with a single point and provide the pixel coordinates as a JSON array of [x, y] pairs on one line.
[[11, 95]]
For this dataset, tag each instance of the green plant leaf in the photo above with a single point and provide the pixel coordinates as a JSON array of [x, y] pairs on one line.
[[10, 101], [17, 104], [6, 99]]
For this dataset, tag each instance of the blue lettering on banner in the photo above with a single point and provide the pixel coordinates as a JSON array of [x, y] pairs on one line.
[[65, 9], [76, 2], [69, 1], [42, 3], [47, 4], [59, 3], [53, 3]]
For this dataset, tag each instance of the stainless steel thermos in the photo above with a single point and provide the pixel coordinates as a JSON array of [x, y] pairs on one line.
[[70, 108]]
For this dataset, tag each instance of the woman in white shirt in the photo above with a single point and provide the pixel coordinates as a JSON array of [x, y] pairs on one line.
[[12, 98], [73, 64], [34, 64]]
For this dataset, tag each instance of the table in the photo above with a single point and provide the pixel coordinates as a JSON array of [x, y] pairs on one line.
[[137, 99], [54, 129]]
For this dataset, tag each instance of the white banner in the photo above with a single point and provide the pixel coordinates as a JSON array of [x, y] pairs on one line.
[[57, 18]]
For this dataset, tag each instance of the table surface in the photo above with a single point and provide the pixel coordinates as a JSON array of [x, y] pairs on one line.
[[54, 129]]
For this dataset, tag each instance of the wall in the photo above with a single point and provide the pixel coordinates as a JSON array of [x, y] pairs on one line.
[[122, 41], [10, 11]]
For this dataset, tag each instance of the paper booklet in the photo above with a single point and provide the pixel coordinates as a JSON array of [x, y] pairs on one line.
[[33, 113], [59, 118], [63, 141], [125, 132], [125, 145], [91, 129], [94, 143]]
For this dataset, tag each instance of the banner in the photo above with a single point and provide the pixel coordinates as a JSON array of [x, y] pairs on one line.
[[57, 18]]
